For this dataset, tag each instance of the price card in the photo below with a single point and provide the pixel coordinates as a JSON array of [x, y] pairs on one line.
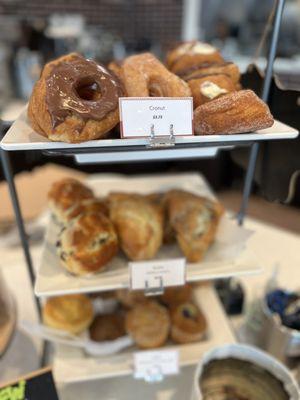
[[157, 273], [159, 116], [152, 366]]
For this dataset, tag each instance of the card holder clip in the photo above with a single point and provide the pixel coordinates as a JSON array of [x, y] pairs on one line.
[[157, 142], [154, 290]]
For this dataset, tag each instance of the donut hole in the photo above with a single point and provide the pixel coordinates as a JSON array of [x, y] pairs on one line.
[[88, 90]]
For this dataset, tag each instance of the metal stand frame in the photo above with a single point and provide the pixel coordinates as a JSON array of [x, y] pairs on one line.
[[248, 179], [265, 97]]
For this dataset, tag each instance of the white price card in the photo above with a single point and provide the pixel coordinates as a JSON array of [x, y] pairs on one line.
[[157, 273], [155, 364], [159, 116]]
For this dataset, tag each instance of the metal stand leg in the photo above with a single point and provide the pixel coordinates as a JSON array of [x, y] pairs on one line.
[[24, 240], [265, 95]]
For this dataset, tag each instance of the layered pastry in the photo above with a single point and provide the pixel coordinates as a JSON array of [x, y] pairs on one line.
[[173, 296], [66, 194], [188, 54], [188, 323], [148, 324], [208, 87], [195, 220], [75, 100], [72, 313], [139, 225], [236, 112], [107, 327], [231, 378], [144, 75], [87, 244]]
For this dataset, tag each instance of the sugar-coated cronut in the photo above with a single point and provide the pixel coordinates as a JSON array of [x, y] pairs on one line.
[[74, 100], [237, 112], [144, 75]]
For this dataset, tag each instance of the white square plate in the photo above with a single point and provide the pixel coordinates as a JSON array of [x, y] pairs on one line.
[[226, 257], [72, 365]]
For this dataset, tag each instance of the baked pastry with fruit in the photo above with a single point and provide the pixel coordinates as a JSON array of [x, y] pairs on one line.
[[145, 76], [148, 324], [66, 194], [195, 220], [209, 87], [236, 112], [130, 298], [87, 244], [87, 206], [74, 100], [72, 313], [176, 295], [188, 323], [188, 54], [139, 225], [107, 327]]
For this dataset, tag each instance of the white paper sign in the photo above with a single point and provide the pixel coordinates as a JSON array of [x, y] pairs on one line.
[[156, 273], [154, 365], [140, 115]]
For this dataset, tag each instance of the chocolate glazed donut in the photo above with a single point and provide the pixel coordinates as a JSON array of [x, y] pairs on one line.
[[75, 100]]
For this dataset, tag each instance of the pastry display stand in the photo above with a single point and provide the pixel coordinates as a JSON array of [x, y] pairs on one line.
[[129, 150]]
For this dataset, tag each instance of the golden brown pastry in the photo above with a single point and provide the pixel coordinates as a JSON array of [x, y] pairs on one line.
[[148, 324], [197, 71], [144, 75], [139, 225], [107, 327], [72, 313], [87, 244], [236, 112], [74, 100], [86, 206], [115, 66], [188, 324], [191, 53], [130, 298], [209, 87], [159, 199], [195, 221], [176, 295], [66, 194]]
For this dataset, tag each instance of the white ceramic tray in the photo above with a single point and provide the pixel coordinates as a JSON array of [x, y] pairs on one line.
[[72, 365], [21, 137], [226, 257]]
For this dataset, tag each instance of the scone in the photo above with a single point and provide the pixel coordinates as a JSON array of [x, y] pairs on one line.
[[188, 324], [187, 54], [195, 221], [72, 313], [176, 295], [159, 199], [236, 112], [87, 244], [65, 194], [209, 87], [85, 206], [139, 225], [107, 327], [130, 298], [148, 324]]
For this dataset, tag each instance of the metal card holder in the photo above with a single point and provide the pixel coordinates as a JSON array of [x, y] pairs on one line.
[[156, 290], [158, 142]]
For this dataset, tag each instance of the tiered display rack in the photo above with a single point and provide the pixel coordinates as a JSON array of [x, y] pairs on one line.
[[21, 137]]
